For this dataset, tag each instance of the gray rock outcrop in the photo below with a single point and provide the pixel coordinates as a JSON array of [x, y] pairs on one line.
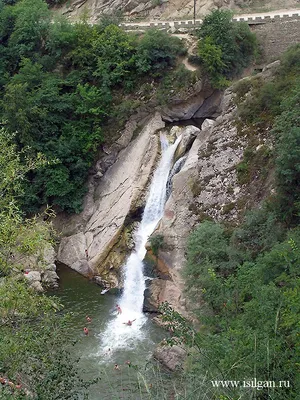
[[50, 279], [188, 136], [33, 276], [91, 239], [208, 186], [170, 357], [202, 102]]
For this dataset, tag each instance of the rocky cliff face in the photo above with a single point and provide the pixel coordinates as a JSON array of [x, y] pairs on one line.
[[208, 187], [89, 237], [205, 184], [165, 9]]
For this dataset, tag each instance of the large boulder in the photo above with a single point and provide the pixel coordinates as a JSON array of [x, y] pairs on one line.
[[37, 286], [207, 123], [159, 291], [72, 249], [33, 276], [187, 108], [188, 134], [211, 107], [50, 279], [170, 357]]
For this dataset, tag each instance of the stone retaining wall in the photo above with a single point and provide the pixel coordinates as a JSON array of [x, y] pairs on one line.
[[276, 36]]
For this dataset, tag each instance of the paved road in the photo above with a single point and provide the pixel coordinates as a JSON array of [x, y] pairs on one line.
[[271, 14]]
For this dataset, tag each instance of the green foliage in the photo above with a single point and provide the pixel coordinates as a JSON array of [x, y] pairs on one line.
[[247, 323], [156, 242], [157, 51], [258, 233], [225, 47], [176, 81], [30, 28], [244, 310], [115, 52], [211, 58], [287, 131], [58, 86], [34, 343]]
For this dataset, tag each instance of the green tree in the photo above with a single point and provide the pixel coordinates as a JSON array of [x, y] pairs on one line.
[[211, 58], [115, 52], [288, 150], [31, 28], [157, 51], [230, 46]]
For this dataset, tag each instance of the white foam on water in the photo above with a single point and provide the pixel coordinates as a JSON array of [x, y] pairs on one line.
[[117, 334]]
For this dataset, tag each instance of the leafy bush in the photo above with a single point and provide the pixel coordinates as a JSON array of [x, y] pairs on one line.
[[34, 345], [156, 242], [225, 47], [157, 51]]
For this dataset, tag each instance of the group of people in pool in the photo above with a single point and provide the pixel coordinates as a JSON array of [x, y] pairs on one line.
[[119, 311]]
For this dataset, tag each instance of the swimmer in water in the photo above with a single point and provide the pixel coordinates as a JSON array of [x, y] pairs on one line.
[[119, 310], [86, 331], [129, 323]]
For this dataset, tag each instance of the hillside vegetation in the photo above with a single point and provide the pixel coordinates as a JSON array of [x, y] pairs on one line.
[[61, 83], [244, 281]]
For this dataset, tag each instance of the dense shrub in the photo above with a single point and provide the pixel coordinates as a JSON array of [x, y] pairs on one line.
[[156, 51], [225, 47]]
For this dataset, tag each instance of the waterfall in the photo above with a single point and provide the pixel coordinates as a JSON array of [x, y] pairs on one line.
[[176, 168], [117, 334]]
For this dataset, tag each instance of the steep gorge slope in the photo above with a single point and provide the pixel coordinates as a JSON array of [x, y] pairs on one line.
[[211, 186]]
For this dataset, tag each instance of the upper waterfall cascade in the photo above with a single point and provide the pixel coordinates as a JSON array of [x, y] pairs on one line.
[[117, 334], [176, 168]]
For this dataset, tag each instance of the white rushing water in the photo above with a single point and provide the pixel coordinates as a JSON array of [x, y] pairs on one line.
[[117, 334]]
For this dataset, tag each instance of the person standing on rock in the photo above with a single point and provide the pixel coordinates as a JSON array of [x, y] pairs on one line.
[[86, 254]]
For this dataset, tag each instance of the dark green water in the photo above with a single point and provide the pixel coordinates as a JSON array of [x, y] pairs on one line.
[[82, 297]]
